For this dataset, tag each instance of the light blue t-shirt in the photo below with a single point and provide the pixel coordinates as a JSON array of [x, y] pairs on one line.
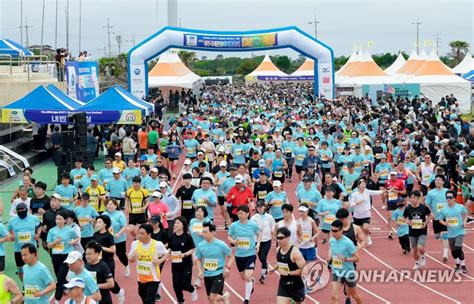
[[277, 200], [83, 215], [117, 187], [76, 176], [383, 169], [195, 226], [246, 237], [349, 179], [345, 248], [129, 173], [326, 157], [402, 227], [105, 175], [85, 182], [454, 218], [212, 256], [152, 184], [300, 154], [436, 200], [36, 278], [211, 197], [328, 205], [66, 234], [91, 285], [118, 222], [221, 176], [3, 233], [191, 146], [312, 195], [67, 195], [238, 153], [24, 230]]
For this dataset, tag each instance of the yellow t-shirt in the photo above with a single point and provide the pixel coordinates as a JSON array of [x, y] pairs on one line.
[[94, 201], [136, 198]]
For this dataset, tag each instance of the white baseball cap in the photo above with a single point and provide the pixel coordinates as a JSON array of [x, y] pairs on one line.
[[116, 170], [157, 194], [393, 172], [72, 257], [75, 282], [118, 154], [239, 179], [223, 163], [276, 183], [303, 208], [163, 185], [56, 195], [187, 161], [154, 170]]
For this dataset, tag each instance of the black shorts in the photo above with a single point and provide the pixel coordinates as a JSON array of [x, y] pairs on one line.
[[291, 289], [361, 221], [221, 200], [298, 169], [135, 219], [438, 227], [2, 263], [164, 155], [392, 205], [281, 178], [349, 281], [18, 260], [214, 284], [245, 263], [172, 159]]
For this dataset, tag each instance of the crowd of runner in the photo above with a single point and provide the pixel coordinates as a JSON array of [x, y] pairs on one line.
[[242, 146]]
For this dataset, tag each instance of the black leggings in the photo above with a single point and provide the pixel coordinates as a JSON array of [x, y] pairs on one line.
[[121, 252], [290, 161], [263, 253], [60, 270], [182, 281], [147, 292], [404, 241], [116, 288]]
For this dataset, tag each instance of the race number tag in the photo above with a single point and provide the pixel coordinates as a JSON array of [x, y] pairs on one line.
[[243, 243], [300, 157], [416, 223], [202, 202], [277, 203], [452, 221], [143, 268], [24, 237], [337, 263], [262, 194], [400, 221], [440, 206], [306, 236], [30, 290], [187, 204], [328, 219], [211, 264], [278, 174], [58, 248], [392, 196], [83, 221], [176, 257], [283, 267], [197, 228]]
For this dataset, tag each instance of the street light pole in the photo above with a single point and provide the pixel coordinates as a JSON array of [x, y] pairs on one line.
[[315, 22], [417, 23]]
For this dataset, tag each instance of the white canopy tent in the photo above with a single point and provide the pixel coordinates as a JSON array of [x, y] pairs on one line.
[[396, 65], [365, 72], [465, 66], [266, 68], [306, 69]]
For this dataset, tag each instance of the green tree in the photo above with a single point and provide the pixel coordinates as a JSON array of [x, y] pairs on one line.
[[220, 57], [247, 66], [220, 71], [283, 63], [188, 58], [459, 49]]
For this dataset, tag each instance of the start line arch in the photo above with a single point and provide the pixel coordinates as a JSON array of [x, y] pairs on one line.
[[225, 41]]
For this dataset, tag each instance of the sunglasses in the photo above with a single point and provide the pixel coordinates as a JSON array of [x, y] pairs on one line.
[[335, 230], [449, 197], [280, 238]]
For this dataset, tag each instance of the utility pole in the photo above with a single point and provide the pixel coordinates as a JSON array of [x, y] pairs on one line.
[[132, 41], [80, 25], [56, 28], [119, 42], [417, 23], [21, 22], [438, 42], [26, 32], [108, 35], [315, 22], [67, 26], [42, 30]]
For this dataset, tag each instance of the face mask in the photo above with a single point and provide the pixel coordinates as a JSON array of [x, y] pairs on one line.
[[22, 213]]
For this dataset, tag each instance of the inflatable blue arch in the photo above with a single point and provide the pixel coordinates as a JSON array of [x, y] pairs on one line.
[[225, 41]]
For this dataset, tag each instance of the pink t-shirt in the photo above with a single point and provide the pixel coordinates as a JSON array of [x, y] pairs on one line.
[[160, 209]]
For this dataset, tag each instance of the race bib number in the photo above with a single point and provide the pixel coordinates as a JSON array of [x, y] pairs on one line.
[[426, 177], [416, 223], [452, 221], [283, 267], [278, 174], [243, 243], [277, 203], [94, 201], [30, 290], [384, 173], [83, 221], [300, 157], [392, 196], [211, 264], [328, 219], [337, 263], [306, 236], [136, 205], [288, 150], [190, 150], [377, 155], [94, 275], [24, 237], [188, 204], [201, 202], [238, 151], [400, 221], [176, 257], [262, 194], [58, 248], [65, 202], [144, 268], [324, 157], [440, 206], [357, 165], [197, 228]]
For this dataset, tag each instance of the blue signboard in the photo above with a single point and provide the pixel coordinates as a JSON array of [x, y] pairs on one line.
[[285, 78], [82, 80], [231, 42]]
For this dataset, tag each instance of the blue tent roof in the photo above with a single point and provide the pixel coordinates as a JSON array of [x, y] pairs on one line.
[[63, 96], [40, 99], [10, 47], [469, 76], [116, 99]]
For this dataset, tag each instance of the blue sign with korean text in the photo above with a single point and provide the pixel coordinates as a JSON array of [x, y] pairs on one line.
[[82, 80]]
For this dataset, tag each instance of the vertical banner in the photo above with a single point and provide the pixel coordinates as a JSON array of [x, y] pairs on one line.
[[137, 80], [82, 80], [325, 79]]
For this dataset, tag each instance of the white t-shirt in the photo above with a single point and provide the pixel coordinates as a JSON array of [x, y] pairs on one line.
[[293, 227], [90, 301], [362, 210], [266, 224]]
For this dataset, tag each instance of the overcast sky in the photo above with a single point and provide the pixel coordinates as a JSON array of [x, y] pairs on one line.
[[343, 24]]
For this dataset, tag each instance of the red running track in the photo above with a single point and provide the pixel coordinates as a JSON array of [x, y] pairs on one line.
[[384, 254]]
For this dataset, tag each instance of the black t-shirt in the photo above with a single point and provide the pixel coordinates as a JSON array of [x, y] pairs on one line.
[[185, 194], [259, 188], [411, 213], [337, 190], [37, 203], [161, 236], [182, 243], [105, 240], [101, 272]]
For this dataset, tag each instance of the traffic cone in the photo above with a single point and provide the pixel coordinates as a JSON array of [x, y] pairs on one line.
[[459, 198]]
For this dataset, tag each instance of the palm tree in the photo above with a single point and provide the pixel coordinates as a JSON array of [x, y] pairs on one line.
[[458, 49], [187, 57]]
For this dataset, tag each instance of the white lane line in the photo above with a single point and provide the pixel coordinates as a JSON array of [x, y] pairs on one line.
[[235, 292], [168, 293], [472, 249], [467, 276]]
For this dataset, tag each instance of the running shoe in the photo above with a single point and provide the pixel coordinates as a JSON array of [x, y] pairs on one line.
[[158, 297], [324, 241], [197, 283], [262, 279], [194, 295], [390, 236], [417, 266], [457, 268], [127, 271], [464, 269], [253, 285], [445, 259], [226, 296], [121, 296], [404, 251], [422, 261], [369, 240], [348, 301]]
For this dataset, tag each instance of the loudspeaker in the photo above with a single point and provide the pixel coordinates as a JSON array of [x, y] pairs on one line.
[[67, 140], [81, 143]]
